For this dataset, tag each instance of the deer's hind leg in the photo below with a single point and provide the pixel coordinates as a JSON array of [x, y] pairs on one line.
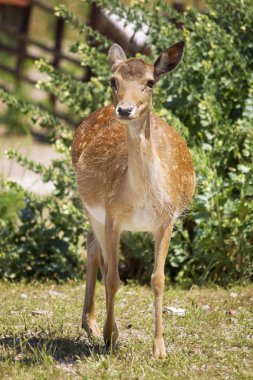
[[162, 242], [93, 258]]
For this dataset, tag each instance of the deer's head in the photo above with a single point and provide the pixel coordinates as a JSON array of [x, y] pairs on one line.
[[132, 80]]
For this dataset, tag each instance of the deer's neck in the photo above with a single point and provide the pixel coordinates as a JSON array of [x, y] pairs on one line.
[[143, 162]]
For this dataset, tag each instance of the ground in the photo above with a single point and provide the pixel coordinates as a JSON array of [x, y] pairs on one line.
[[41, 336]]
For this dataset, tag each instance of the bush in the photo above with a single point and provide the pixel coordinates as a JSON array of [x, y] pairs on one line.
[[208, 99], [38, 237]]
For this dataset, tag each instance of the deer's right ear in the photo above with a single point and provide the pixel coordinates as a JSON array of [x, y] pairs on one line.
[[116, 55]]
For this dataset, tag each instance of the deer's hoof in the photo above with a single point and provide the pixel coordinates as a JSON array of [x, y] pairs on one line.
[[159, 351], [111, 334], [91, 327]]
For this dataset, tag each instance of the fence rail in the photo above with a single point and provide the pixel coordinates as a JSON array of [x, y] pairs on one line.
[[23, 41]]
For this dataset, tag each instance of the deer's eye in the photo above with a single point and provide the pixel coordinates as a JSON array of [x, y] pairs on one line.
[[113, 83], [150, 83]]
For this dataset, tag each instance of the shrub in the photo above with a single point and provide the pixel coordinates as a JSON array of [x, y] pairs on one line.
[[208, 99], [38, 237]]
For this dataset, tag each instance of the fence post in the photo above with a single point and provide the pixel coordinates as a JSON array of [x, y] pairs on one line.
[[57, 48], [22, 43]]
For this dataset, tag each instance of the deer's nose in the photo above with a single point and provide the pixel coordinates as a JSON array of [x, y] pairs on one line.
[[124, 111]]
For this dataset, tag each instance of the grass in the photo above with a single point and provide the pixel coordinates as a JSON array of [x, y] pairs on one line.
[[41, 337]]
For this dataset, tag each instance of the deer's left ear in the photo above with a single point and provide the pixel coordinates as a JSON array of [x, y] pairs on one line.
[[169, 59], [116, 55]]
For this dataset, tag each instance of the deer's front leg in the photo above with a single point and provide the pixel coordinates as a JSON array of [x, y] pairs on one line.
[[93, 253], [111, 280], [162, 242]]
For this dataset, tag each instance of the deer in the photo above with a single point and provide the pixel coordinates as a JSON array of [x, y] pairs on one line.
[[134, 172]]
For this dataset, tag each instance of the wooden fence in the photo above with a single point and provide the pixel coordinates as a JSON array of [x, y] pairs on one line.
[[20, 34], [18, 31]]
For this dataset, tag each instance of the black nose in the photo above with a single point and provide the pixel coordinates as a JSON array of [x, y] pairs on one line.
[[124, 111]]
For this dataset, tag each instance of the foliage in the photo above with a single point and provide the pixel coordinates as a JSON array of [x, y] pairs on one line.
[[15, 122], [11, 201], [208, 99], [39, 236]]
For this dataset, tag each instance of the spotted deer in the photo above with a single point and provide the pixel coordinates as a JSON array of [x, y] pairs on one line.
[[134, 173]]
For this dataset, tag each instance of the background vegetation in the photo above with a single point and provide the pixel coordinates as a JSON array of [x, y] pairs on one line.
[[208, 99]]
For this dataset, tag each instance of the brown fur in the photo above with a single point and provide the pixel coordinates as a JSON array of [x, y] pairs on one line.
[[132, 173], [100, 158], [134, 68]]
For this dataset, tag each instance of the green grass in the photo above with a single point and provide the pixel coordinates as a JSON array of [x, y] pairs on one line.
[[41, 337]]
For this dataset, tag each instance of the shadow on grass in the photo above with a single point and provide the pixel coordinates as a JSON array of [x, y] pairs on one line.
[[33, 349]]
